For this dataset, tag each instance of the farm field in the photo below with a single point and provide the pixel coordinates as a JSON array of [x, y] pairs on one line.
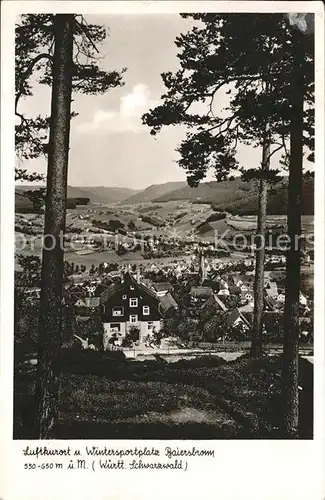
[[181, 218]]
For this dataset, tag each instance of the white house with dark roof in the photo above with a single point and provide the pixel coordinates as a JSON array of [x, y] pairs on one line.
[[131, 304]]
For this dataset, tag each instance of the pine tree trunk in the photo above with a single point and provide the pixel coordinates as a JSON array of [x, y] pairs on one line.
[[256, 346], [50, 323], [291, 307]]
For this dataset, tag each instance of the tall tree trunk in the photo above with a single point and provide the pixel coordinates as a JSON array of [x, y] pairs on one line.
[[256, 347], [291, 307], [50, 324]]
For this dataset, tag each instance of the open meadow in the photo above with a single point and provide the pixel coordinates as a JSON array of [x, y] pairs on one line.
[[173, 219]]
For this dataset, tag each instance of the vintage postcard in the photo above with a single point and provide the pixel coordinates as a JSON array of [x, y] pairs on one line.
[[162, 250]]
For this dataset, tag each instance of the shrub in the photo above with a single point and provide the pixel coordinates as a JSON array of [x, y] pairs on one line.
[[127, 341], [134, 333], [180, 216], [239, 332], [131, 225], [216, 216], [154, 221]]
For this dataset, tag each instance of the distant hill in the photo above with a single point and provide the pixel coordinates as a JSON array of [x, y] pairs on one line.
[[22, 203], [241, 197], [205, 192], [235, 196], [102, 194], [155, 191], [96, 194]]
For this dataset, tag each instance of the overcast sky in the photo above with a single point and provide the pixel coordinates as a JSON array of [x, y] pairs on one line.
[[109, 145]]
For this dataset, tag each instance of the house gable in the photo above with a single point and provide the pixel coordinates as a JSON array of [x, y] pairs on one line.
[[235, 317], [130, 298]]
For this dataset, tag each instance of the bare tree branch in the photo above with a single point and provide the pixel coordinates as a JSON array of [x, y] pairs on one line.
[[275, 151], [284, 146], [28, 72], [228, 120], [250, 79], [84, 29], [210, 106], [23, 119]]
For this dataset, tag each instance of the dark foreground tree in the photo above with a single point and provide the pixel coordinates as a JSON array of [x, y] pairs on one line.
[[301, 40], [64, 73], [265, 177], [50, 325], [257, 331]]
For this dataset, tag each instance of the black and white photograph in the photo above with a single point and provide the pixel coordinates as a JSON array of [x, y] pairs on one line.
[[164, 195]]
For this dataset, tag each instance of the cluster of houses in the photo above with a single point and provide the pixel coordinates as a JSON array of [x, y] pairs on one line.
[[212, 296], [131, 301], [125, 304]]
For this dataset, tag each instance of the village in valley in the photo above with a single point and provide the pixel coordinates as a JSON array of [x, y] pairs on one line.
[[168, 292], [137, 306], [164, 225]]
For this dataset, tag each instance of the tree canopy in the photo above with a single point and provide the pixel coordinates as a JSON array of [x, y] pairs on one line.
[[34, 39], [249, 57]]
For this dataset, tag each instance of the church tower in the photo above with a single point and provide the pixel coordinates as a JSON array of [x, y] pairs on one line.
[[202, 270]]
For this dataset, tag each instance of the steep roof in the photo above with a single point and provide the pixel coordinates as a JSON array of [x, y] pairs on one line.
[[146, 282], [128, 279], [163, 303], [201, 291], [248, 308], [234, 315], [248, 316], [140, 286], [168, 302], [214, 302], [100, 289], [270, 302], [161, 287], [218, 302], [237, 277], [210, 283], [271, 289]]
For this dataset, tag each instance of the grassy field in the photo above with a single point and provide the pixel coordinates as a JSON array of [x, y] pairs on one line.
[[202, 398], [192, 216]]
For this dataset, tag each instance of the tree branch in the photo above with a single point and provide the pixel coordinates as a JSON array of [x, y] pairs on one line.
[[28, 73], [23, 119], [284, 146], [211, 104], [274, 151], [84, 29], [236, 138], [250, 79], [230, 119]]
